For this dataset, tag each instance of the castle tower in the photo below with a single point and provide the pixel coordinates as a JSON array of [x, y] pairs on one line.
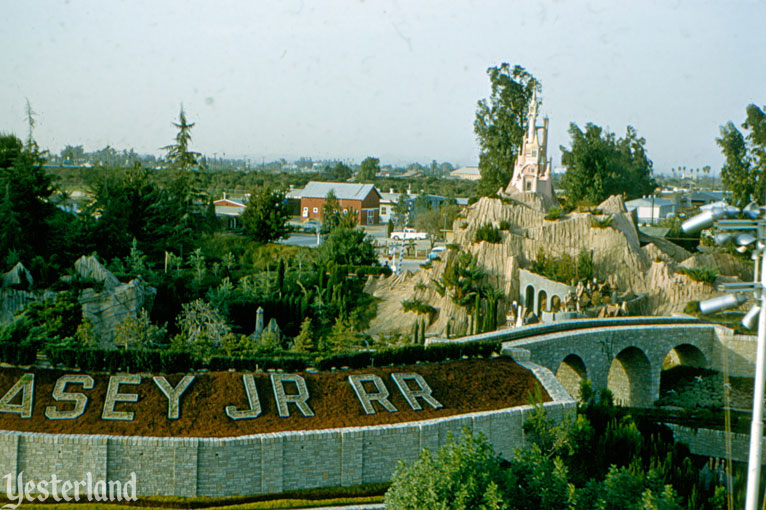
[[532, 171]]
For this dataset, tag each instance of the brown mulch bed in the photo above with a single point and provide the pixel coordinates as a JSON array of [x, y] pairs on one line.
[[460, 386]]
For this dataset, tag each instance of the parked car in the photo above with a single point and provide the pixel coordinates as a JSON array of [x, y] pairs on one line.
[[409, 233], [436, 252], [311, 226]]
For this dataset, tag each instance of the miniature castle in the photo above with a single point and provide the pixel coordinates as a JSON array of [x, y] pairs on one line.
[[532, 171]]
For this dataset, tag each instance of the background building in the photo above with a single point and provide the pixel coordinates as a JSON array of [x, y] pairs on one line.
[[363, 198]]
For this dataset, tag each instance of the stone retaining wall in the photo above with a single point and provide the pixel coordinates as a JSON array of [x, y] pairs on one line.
[[712, 443], [263, 463]]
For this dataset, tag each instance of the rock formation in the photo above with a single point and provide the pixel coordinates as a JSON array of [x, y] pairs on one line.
[[636, 263], [107, 308]]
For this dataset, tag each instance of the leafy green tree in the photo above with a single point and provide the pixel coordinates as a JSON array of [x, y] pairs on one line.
[[10, 150], [179, 155], [744, 172], [202, 328], [599, 165], [304, 342], [265, 217], [32, 227], [369, 168], [431, 221], [138, 332], [334, 217], [341, 337], [500, 124], [162, 216], [350, 247], [463, 474], [341, 172]]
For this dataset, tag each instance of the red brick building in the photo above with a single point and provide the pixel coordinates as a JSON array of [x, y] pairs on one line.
[[362, 198]]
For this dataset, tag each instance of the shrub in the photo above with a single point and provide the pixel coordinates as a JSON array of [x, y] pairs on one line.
[[466, 473], [554, 214], [409, 355], [464, 225], [700, 274], [488, 233], [18, 354], [601, 222], [417, 306], [504, 225], [692, 307]]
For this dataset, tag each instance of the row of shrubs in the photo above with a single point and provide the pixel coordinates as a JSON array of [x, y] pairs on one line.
[[23, 353], [168, 361]]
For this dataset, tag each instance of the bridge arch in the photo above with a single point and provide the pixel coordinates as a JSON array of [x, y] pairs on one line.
[[529, 298], [542, 302], [630, 378], [571, 373], [555, 304], [687, 355]]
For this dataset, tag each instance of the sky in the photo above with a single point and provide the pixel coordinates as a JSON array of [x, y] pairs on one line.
[[398, 80]]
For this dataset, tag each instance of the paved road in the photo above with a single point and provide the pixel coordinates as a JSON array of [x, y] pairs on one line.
[[379, 238], [301, 239]]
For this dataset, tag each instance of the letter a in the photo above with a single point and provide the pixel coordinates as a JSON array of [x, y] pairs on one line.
[[25, 384]]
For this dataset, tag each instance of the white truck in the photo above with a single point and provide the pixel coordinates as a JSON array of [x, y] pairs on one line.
[[409, 233]]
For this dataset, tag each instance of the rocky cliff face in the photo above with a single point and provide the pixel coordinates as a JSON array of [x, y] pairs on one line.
[[617, 253], [107, 308]]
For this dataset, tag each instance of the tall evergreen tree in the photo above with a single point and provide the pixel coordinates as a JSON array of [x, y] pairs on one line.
[[179, 155], [265, 217]]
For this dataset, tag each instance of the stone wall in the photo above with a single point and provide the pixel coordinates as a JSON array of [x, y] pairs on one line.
[[712, 443], [259, 464], [263, 463], [735, 354]]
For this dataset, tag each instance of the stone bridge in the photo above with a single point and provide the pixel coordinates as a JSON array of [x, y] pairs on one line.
[[626, 355], [626, 359]]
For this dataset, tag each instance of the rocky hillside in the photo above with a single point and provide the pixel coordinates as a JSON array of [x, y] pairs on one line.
[[638, 265]]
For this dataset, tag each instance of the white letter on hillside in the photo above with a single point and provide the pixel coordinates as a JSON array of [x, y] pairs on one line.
[[173, 394], [412, 395], [252, 399], [113, 396], [277, 383], [59, 395], [381, 396], [25, 384]]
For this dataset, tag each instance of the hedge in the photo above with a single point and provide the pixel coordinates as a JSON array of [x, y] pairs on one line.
[[23, 353], [166, 361], [409, 355]]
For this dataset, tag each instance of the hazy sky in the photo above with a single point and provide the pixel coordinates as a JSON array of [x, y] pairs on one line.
[[397, 80]]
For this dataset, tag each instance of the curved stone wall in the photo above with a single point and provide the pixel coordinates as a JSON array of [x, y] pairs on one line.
[[263, 463]]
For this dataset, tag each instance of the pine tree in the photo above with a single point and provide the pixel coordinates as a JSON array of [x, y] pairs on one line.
[[304, 342], [179, 156]]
